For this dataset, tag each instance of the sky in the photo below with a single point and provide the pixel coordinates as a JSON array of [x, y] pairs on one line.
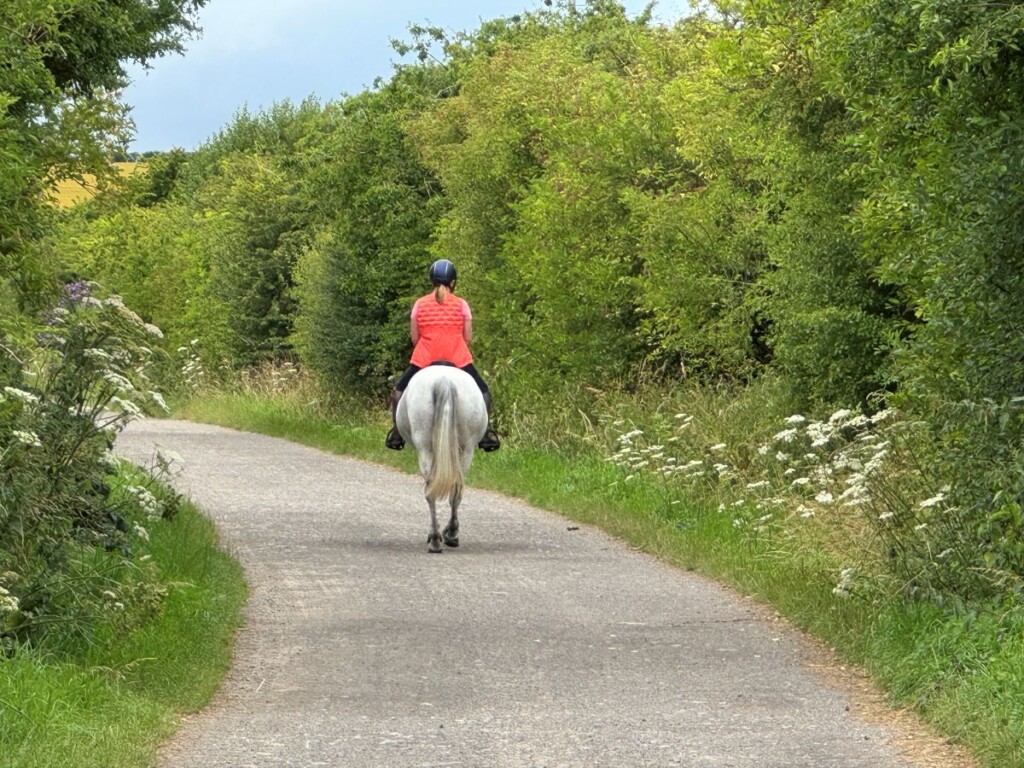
[[253, 53]]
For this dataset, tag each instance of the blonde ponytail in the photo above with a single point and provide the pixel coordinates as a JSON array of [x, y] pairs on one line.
[[440, 293]]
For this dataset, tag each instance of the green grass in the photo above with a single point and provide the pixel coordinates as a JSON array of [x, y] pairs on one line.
[[964, 674], [113, 703]]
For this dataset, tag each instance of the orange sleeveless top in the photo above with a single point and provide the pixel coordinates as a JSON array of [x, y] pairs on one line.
[[440, 327]]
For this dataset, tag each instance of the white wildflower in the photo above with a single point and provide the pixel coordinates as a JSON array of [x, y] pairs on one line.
[[824, 497], [844, 587], [763, 450], [27, 438], [801, 481], [839, 415], [96, 354], [853, 492], [20, 394], [757, 484], [126, 406], [141, 532], [118, 381], [159, 400], [717, 447], [782, 457], [883, 415], [934, 500], [796, 418], [8, 602], [785, 436], [888, 515], [118, 303], [147, 501], [152, 330], [875, 463]]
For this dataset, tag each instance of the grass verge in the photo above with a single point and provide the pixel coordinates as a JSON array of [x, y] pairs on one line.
[[961, 672], [113, 703]]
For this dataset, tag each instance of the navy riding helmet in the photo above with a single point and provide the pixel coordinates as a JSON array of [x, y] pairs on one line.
[[442, 272]]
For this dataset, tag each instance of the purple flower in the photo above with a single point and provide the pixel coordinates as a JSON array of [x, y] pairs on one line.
[[75, 292]]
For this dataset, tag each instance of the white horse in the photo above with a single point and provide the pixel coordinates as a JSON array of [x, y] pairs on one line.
[[443, 415]]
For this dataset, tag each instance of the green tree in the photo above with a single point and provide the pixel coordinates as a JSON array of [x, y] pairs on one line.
[[59, 115], [377, 206], [536, 153], [937, 92]]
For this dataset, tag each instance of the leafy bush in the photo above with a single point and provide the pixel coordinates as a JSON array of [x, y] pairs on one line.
[[869, 484], [66, 525]]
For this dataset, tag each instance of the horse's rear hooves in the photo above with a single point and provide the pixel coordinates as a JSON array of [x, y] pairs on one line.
[[451, 538], [434, 545]]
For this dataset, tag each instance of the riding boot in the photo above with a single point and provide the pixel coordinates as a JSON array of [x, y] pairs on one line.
[[489, 442], [394, 440]]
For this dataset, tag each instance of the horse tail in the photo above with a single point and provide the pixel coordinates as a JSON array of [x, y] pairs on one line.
[[446, 472]]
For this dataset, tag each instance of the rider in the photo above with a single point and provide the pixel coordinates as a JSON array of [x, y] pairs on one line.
[[441, 327]]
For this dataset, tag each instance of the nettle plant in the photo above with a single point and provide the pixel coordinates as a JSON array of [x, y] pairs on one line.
[[70, 519], [867, 477]]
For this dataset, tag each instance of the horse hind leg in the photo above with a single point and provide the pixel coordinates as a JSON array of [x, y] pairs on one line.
[[451, 531], [434, 536], [451, 534]]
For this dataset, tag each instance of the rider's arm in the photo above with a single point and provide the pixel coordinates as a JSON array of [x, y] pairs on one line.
[[414, 331]]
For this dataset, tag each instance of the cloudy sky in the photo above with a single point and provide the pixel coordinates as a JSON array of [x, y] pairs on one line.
[[253, 53]]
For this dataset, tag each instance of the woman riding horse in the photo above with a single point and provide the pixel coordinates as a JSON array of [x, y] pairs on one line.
[[441, 328]]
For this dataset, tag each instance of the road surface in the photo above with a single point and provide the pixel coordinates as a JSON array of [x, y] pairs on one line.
[[535, 644]]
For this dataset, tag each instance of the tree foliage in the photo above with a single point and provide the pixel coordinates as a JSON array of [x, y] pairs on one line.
[[70, 355], [824, 195]]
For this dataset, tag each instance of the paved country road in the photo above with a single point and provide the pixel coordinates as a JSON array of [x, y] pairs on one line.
[[534, 644]]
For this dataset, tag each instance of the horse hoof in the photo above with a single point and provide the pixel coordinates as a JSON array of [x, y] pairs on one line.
[[434, 544], [450, 539]]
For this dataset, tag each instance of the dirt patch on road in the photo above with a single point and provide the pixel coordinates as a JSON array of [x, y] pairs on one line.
[[915, 739]]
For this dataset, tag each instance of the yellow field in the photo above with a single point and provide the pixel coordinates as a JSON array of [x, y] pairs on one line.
[[70, 192]]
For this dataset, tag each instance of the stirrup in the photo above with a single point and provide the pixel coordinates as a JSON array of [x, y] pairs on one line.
[[394, 440], [489, 442]]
